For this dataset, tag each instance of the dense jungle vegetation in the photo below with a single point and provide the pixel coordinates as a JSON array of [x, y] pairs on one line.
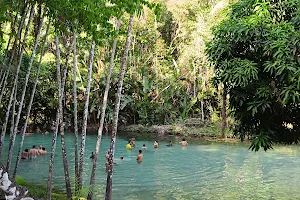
[[106, 63]]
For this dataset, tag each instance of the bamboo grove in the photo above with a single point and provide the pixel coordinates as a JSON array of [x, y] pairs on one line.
[[36, 29], [53, 71]]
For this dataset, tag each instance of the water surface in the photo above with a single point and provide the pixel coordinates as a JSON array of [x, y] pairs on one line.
[[200, 171]]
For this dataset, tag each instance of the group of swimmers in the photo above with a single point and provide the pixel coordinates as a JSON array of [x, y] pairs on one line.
[[131, 144], [33, 153], [139, 158]]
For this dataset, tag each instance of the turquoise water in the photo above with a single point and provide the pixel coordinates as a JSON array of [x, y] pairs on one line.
[[200, 171]]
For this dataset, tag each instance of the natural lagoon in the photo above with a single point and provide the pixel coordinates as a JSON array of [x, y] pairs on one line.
[[203, 170]]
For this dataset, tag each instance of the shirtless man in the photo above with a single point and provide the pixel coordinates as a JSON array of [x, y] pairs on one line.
[[155, 144], [33, 153], [40, 150], [139, 158], [184, 143], [43, 151]]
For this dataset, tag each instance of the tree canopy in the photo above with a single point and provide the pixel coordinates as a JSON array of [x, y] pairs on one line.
[[255, 52]]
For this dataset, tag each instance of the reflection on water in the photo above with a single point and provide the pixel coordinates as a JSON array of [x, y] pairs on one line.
[[200, 171]]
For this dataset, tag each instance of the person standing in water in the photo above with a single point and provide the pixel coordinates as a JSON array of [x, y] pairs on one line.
[[40, 150], [184, 143], [33, 153], [144, 147], [155, 144], [43, 151], [128, 146], [139, 158], [132, 142], [24, 154]]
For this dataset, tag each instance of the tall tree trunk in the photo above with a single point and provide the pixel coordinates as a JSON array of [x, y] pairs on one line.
[[8, 186], [13, 137], [85, 115], [53, 147], [103, 110], [4, 82], [30, 103], [61, 122], [66, 74], [15, 83], [108, 195], [75, 114], [224, 115]]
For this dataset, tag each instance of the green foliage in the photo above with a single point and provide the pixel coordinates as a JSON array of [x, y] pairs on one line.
[[168, 72], [21, 181], [39, 191], [255, 52]]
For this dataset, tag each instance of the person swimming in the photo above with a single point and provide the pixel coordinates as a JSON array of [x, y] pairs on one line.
[[155, 144], [170, 144], [92, 156]]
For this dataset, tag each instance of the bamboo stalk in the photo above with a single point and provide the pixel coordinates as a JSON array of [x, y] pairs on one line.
[[85, 115], [108, 195], [12, 141], [30, 103], [103, 110], [75, 114], [15, 83]]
